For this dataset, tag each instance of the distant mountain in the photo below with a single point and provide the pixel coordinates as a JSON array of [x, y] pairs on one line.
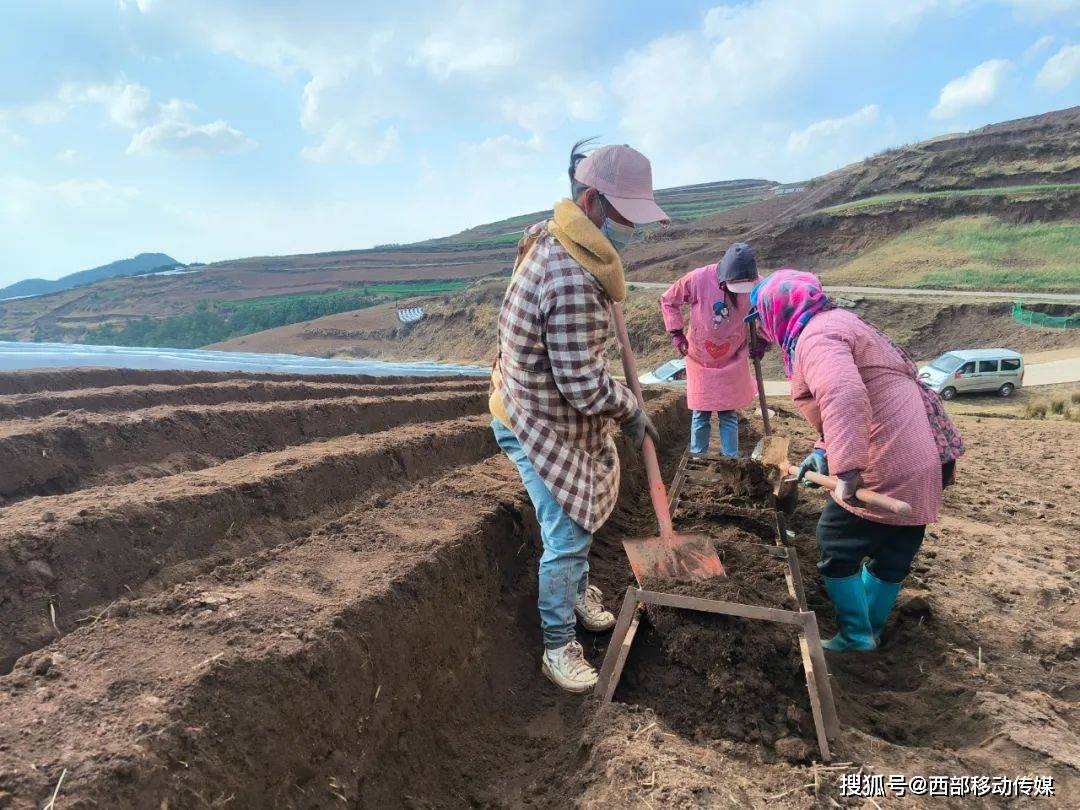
[[143, 263]]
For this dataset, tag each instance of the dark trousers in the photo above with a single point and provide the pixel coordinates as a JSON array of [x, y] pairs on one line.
[[845, 540]]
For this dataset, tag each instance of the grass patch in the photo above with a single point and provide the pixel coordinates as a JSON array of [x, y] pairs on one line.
[[1002, 191], [980, 253], [215, 322]]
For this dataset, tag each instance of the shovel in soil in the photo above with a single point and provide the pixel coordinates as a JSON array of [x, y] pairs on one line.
[[771, 450], [670, 555]]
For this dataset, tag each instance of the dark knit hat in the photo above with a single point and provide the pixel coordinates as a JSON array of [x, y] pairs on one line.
[[738, 268]]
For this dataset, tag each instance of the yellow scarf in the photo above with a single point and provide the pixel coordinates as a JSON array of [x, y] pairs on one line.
[[589, 248]]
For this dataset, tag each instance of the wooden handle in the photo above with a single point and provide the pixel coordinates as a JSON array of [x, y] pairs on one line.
[[657, 490], [767, 429], [866, 496]]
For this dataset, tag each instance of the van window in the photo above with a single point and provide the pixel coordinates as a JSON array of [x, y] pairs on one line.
[[947, 363], [1010, 365], [967, 368], [987, 365]]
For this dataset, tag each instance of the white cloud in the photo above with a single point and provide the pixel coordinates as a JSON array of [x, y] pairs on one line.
[[976, 88], [474, 41], [22, 198], [830, 128], [67, 156], [127, 103], [1061, 69], [174, 134], [1042, 9], [1039, 45], [556, 100], [167, 130], [140, 5], [715, 100]]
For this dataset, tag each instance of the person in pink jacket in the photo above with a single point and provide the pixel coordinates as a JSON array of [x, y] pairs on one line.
[[718, 378], [879, 428]]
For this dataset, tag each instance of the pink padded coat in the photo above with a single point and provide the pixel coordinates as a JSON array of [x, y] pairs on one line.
[[854, 387]]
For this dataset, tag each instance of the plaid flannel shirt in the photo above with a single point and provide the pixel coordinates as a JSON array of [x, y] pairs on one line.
[[553, 378]]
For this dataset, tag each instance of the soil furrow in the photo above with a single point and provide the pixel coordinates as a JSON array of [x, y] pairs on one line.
[[74, 552], [62, 454], [134, 397], [66, 379], [390, 659]]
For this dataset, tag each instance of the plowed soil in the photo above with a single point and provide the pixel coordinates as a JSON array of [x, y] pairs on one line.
[[329, 600]]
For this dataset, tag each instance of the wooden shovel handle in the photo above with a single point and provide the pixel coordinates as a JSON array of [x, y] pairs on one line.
[[657, 490], [760, 381], [867, 496]]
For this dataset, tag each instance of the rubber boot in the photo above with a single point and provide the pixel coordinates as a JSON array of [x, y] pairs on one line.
[[852, 616], [880, 597]]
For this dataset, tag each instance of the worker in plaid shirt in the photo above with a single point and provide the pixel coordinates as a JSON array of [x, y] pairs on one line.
[[555, 405]]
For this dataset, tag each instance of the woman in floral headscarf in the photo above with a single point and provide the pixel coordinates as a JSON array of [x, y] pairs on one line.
[[879, 428]]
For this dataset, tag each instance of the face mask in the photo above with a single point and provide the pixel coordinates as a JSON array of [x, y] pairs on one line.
[[618, 234]]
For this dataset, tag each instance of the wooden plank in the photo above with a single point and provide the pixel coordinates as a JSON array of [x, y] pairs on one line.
[[822, 677], [716, 606], [796, 580], [815, 698], [615, 658]]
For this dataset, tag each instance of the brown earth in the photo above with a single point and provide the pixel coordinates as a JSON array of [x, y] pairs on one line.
[[353, 620]]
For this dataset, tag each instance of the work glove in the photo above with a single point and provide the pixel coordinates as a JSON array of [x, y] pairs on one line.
[[847, 483], [815, 462], [637, 426], [679, 341]]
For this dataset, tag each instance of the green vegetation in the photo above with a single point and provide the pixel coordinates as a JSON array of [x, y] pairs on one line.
[[215, 322], [981, 253], [1005, 191]]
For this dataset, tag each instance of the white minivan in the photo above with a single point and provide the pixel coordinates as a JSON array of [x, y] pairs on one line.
[[1000, 370]]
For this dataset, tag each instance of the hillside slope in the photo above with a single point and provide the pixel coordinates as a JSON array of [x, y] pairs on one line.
[[143, 263], [1016, 173]]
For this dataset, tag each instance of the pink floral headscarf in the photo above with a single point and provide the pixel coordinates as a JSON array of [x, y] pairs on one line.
[[785, 301]]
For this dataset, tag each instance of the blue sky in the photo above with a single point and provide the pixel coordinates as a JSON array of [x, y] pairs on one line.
[[213, 129]]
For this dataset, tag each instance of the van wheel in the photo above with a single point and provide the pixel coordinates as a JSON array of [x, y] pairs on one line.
[[1007, 390], [948, 393]]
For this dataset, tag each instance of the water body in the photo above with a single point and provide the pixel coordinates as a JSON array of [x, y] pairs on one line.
[[20, 356]]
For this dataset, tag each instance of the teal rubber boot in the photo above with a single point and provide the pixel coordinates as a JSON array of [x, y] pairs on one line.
[[880, 598], [852, 615]]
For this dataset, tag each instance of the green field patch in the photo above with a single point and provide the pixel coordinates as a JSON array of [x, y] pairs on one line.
[[215, 322], [1003, 191], [977, 253]]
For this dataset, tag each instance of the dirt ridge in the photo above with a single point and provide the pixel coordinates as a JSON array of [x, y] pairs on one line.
[[136, 397], [88, 548], [55, 455]]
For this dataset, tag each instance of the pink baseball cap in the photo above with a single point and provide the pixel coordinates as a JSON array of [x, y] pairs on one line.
[[624, 176]]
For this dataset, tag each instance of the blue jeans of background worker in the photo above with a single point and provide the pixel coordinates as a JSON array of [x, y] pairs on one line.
[[564, 565], [701, 429]]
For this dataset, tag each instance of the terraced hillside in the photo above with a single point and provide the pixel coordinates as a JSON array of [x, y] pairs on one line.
[[223, 590]]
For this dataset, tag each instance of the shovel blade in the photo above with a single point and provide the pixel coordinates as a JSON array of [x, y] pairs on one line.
[[680, 557], [772, 451]]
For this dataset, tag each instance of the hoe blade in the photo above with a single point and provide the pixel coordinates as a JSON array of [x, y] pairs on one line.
[[679, 557]]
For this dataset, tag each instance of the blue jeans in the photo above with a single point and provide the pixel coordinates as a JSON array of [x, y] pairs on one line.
[[701, 427], [564, 565]]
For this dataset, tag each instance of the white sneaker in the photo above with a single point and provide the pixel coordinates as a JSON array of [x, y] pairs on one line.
[[567, 668], [589, 608]]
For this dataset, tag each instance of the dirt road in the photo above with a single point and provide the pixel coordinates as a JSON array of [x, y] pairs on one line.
[[891, 292]]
